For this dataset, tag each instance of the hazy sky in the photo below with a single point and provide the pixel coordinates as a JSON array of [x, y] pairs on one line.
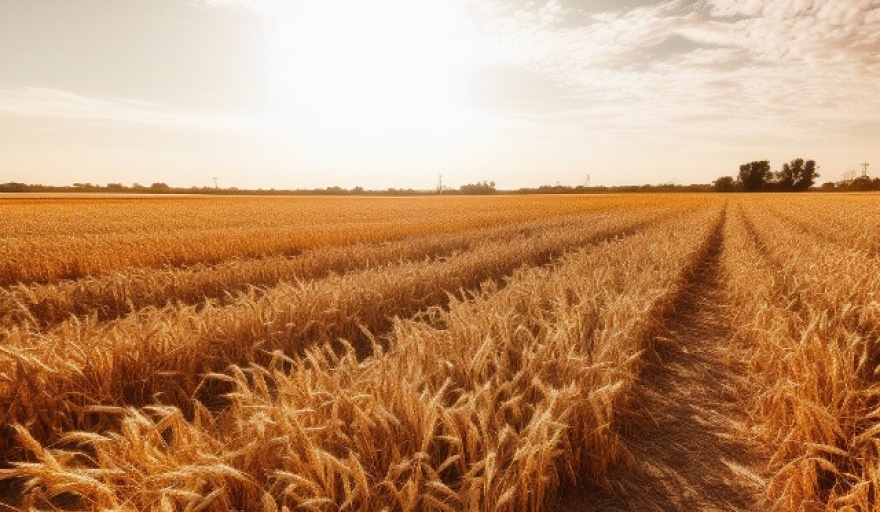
[[391, 93]]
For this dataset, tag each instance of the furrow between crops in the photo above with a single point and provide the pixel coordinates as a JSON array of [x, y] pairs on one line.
[[752, 233], [496, 406], [685, 425]]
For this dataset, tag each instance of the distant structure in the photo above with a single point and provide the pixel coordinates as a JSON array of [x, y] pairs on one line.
[[440, 184], [215, 183], [587, 182], [865, 169]]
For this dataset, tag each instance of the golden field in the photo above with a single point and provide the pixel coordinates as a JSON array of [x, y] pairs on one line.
[[439, 353], [46, 239]]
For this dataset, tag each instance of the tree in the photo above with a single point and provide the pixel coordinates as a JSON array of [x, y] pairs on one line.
[[797, 175], [13, 187], [861, 184], [754, 175], [807, 177], [786, 177], [725, 184], [478, 188]]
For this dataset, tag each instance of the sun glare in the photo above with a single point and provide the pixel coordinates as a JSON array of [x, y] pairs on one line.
[[379, 74]]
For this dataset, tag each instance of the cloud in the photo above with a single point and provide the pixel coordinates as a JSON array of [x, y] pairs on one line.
[[761, 68], [46, 102], [677, 69]]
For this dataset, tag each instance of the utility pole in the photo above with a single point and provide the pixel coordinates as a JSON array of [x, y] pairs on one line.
[[865, 170]]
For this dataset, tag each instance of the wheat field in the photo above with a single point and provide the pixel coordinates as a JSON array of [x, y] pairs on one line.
[[504, 353]]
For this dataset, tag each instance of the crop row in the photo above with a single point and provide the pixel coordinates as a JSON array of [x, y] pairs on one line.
[[850, 221], [493, 403], [118, 294], [808, 311], [44, 242], [51, 379]]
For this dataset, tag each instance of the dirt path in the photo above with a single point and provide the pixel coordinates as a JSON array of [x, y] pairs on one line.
[[685, 425]]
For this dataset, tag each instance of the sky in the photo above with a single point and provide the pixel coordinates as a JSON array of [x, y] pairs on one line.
[[394, 93]]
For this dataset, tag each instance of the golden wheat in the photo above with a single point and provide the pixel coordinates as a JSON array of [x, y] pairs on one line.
[[46, 240], [809, 313], [165, 352], [123, 292], [494, 403], [437, 354]]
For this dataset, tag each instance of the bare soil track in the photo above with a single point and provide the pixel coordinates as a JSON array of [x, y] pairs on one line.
[[685, 425]]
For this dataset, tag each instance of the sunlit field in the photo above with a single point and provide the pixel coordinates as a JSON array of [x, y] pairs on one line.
[[496, 353]]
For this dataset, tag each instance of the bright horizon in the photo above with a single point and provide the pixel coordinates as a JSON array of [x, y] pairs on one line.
[[393, 93]]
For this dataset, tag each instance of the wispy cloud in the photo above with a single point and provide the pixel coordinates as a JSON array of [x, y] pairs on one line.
[[790, 69], [53, 103]]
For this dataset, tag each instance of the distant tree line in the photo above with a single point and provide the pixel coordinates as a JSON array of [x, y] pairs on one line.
[[860, 184], [619, 189], [753, 176], [479, 188], [486, 187], [163, 188], [797, 175]]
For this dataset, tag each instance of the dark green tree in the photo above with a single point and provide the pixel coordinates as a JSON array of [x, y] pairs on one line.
[[787, 176], [725, 184], [797, 175], [754, 176], [486, 187], [807, 177]]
